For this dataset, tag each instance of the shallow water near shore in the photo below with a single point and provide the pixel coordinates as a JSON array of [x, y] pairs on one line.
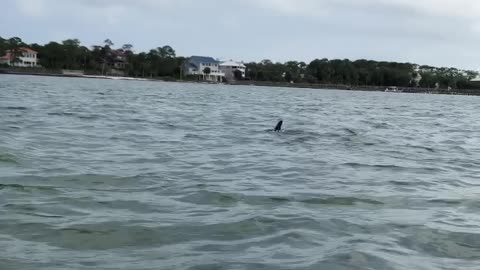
[[100, 174]]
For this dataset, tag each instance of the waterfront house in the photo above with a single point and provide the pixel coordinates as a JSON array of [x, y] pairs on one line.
[[204, 68], [26, 58], [233, 70], [119, 59], [118, 63]]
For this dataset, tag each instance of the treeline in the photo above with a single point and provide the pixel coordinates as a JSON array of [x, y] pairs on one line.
[[163, 62], [361, 73], [70, 54]]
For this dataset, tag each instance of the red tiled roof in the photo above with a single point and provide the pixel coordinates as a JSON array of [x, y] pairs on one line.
[[8, 56], [28, 50], [24, 50]]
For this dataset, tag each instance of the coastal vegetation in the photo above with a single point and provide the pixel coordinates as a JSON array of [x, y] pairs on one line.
[[162, 62]]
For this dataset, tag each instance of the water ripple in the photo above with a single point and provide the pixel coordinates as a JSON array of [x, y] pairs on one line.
[[98, 174]]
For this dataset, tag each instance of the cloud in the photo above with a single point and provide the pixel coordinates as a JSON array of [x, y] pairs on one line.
[[437, 32], [422, 19], [105, 10], [299, 7], [33, 8], [451, 8]]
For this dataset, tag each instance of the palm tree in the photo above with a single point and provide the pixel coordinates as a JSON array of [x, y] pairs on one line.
[[108, 42], [165, 52], [127, 47], [206, 72], [169, 52], [237, 74]]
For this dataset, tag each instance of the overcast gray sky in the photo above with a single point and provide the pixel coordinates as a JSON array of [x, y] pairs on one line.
[[435, 32]]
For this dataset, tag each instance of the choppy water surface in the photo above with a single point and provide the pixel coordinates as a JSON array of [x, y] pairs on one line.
[[98, 174]]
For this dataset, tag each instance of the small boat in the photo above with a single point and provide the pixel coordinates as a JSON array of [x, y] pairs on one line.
[[392, 89]]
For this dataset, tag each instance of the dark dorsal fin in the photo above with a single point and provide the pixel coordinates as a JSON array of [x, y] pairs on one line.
[[278, 127]]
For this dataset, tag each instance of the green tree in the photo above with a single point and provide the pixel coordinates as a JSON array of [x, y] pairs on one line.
[[238, 75], [52, 56], [106, 56], [153, 60], [163, 62], [207, 71], [108, 42], [127, 47], [166, 52], [14, 46], [3, 46], [72, 53], [288, 76]]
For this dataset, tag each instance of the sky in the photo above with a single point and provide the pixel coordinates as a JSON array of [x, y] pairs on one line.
[[432, 32]]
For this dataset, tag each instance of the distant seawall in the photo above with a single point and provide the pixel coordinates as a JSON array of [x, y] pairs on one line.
[[59, 73], [472, 92], [49, 73]]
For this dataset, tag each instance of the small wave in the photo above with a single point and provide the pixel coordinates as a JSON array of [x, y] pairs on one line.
[[133, 206], [61, 114], [104, 236], [193, 136], [304, 139], [298, 136], [43, 215], [89, 117], [279, 199], [332, 135], [351, 131], [394, 168], [460, 149], [377, 166], [443, 243], [355, 260], [8, 158], [210, 198], [20, 187], [91, 181], [227, 200], [30, 211], [169, 125], [12, 186], [295, 132], [381, 126], [429, 149], [401, 183], [344, 201], [18, 108], [446, 201], [412, 183], [429, 115]]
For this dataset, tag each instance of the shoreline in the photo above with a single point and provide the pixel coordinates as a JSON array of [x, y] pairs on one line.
[[46, 74], [465, 92], [411, 90]]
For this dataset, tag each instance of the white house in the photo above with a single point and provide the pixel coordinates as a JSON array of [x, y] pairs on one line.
[[28, 58], [231, 67], [200, 65]]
